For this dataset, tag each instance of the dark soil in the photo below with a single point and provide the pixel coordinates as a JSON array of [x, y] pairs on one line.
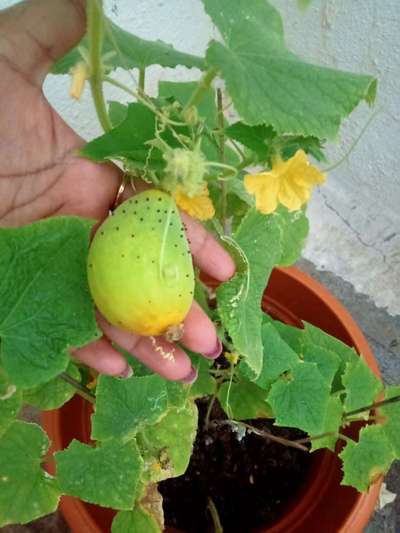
[[250, 481]]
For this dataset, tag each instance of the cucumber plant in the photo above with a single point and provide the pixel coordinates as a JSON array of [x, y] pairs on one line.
[[192, 156]]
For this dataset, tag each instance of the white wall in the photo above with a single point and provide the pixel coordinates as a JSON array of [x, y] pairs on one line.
[[355, 217]]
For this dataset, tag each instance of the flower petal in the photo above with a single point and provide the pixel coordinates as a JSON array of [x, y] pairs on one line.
[[200, 206], [289, 196], [79, 75], [265, 187], [253, 182]]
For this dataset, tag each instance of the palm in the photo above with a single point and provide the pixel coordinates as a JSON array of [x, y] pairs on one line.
[[41, 175]]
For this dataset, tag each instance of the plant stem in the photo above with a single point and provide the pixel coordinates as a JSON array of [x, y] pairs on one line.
[[362, 419], [317, 437], [214, 516], [80, 389], [95, 23], [121, 86], [201, 89], [221, 136], [372, 406], [237, 148], [145, 101], [266, 435], [142, 80], [245, 163], [345, 438], [209, 409]]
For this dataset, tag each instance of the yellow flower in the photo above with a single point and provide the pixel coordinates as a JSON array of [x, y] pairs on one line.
[[199, 206], [289, 183], [79, 75], [232, 357]]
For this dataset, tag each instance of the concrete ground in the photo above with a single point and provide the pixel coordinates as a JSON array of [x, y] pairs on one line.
[[383, 333]]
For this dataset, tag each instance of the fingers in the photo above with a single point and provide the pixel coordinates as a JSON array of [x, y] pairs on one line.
[[207, 253], [88, 189], [101, 356], [199, 333], [155, 352], [37, 33]]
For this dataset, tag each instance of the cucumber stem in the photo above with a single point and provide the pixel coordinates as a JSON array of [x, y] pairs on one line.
[[201, 89], [95, 31]]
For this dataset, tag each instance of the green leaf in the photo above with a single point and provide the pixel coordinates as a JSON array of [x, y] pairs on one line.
[[288, 145], [177, 393], [182, 91], [368, 459], [257, 138], [107, 475], [244, 400], [133, 52], [302, 401], [10, 402], [294, 230], [313, 335], [265, 143], [269, 84], [332, 424], [125, 50], [54, 393], [117, 112], [128, 140], [391, 427], [167, 446], [27, 492], [205, 384], [236, 187], [278, 356], [45, 302], [123, 406], [327, 361], [239, 299], [137, 520], [362, 386], [292, 335]]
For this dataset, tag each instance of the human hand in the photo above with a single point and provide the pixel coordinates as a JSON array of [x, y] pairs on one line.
[[41, 175]]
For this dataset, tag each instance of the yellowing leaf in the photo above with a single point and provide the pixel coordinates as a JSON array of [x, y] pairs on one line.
[[367, 460]]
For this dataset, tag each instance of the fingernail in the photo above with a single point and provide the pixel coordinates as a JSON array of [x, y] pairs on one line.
[[127, 373], [216, 352], [191, 377]]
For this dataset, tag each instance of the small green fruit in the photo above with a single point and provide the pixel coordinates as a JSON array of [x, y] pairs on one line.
[[185, 168], [139, 266]]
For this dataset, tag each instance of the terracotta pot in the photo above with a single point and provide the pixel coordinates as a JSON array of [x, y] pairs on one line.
[[322, 504]]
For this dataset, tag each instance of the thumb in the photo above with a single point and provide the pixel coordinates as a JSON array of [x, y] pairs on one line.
[[35, 33]]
